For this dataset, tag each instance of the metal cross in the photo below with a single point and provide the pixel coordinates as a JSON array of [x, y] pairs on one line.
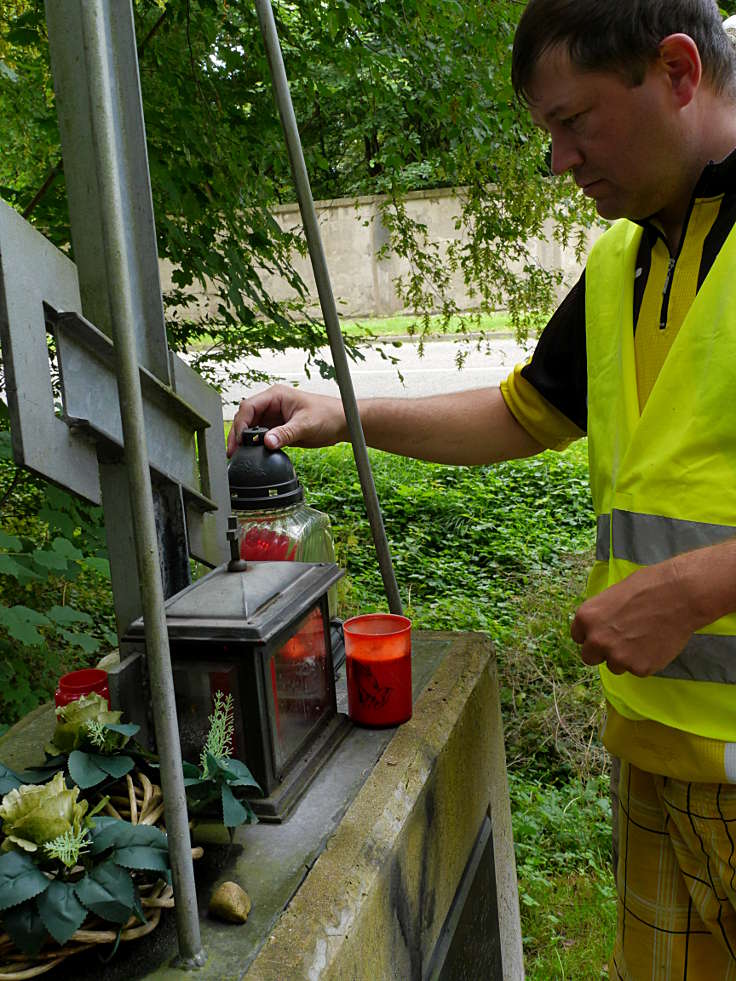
[[117, 398]]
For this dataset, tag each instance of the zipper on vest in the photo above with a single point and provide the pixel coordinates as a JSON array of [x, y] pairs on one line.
[[666, 293], [672, 260]]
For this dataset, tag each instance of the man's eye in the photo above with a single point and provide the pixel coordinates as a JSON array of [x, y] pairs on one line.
[[571, 120]]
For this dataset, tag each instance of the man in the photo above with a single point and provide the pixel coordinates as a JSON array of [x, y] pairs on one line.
[[639, 99]]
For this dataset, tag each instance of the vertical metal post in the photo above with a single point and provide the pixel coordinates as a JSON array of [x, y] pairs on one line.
[[100, 192], [101, 121], [326, 297]]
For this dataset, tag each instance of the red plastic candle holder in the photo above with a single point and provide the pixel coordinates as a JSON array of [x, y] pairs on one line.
[[77, 683], [378, 665]]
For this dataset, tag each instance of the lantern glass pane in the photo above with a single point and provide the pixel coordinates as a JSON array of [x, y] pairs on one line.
[[301, 685], [196, 686]]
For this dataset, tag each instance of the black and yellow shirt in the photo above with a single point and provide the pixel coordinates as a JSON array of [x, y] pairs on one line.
[[548, 397]]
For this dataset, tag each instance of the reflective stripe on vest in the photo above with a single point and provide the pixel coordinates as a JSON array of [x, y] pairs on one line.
[[645, 539]]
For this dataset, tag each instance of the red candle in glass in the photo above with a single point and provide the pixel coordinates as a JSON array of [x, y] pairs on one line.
[[378, 665], [77, 683]]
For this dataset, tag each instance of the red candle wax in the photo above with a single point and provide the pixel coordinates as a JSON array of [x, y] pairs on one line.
[[378, 665], [77, 683]]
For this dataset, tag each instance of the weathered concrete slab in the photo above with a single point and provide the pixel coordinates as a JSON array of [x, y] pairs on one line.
[[358, 882]]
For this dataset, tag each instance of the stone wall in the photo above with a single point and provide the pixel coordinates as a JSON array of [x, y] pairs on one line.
[[353, 235]]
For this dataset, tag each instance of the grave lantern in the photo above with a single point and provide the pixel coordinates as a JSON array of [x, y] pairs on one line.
[[260, 632]]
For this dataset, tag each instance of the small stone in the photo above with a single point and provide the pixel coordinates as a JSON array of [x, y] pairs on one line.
[[230, 903]]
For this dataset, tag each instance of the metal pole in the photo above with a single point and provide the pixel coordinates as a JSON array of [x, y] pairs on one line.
[[326, 297], [124, 310]]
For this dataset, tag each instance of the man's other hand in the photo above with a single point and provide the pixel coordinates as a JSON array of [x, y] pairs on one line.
[[640, 624], [293, 418]]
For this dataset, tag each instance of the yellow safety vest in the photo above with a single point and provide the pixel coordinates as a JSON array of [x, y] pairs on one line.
[[664, 480]]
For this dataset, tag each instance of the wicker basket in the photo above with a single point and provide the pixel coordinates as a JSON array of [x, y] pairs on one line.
[[135, 799]]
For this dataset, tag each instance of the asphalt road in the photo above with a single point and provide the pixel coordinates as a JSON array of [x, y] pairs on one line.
[[435, 372]]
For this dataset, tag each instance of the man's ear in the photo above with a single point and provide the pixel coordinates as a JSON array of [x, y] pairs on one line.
[[679, 58]]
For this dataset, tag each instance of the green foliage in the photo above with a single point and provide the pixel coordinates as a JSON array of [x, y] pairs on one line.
[[87, 868], [56, 612], [465, 541], [390, 98], [213, 782], [222, 729]]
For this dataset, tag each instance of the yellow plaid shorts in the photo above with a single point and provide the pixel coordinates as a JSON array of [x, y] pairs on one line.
[[676, 880]]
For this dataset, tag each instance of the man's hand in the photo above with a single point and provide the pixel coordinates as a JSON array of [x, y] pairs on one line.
[[294, 418], [640, 624]]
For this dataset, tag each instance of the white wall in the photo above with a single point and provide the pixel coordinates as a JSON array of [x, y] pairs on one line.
[[353, 234]]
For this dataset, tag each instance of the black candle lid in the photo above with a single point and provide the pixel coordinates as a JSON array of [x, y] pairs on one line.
[[261, 478]]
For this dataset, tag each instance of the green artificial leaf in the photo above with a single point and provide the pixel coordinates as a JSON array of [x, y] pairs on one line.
[[110, 832], [124, 728], [89, 769], [40, 774], [138, 907], [19, 879], [25, 927], [190, 770], [115, 766], [61, 911], [8, 780], [141, 857], [237, 774], [85, 770], [107, 891], [233, 812], [193, 781]]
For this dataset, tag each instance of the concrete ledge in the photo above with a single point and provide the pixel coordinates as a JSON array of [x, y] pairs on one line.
[[374, 903]]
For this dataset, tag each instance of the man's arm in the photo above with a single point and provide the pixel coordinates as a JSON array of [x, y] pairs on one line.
[[642, 623], [471, 427]]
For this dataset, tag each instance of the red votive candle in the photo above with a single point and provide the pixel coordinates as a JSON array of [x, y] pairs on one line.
[[378, 665], [77, 683]]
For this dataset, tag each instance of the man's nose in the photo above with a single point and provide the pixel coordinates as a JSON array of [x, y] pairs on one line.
[[565, 155]]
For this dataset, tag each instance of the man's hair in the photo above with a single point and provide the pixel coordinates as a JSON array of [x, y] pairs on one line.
[[621, 36]]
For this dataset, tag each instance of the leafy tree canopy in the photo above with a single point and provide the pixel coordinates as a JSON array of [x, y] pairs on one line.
[[391, 97]]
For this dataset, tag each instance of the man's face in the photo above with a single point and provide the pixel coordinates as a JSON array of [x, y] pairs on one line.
[[619, 141]]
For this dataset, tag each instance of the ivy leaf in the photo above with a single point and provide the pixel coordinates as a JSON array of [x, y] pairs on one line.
[[9, 567], [61, 911], [48, 559], [101, 566], [25, 927], [19, 879], [65, 615], [107, 891], [87, 643], [9, 542], [21, 622], [62, 546]]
